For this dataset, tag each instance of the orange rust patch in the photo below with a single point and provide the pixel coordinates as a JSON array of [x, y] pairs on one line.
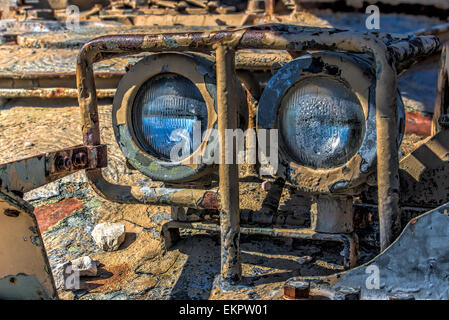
[[51, 214], [210, 201], [417, 123], [115, 277]]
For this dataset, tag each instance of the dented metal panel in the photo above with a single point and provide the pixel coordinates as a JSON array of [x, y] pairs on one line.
[[24, 269], [413, 267]]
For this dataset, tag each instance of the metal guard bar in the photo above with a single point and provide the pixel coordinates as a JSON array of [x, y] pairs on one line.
[[281, 37]]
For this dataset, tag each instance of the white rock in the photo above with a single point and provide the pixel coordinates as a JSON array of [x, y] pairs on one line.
[[28, 144], [67, 275], [59, 274], [85, 266], [109, 236]]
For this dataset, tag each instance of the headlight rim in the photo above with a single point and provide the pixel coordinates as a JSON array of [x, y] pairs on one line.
[[286, 148], [357, 73], [195, 68]]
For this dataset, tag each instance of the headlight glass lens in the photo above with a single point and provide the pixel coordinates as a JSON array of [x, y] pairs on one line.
[[164, 114], [321, 122]]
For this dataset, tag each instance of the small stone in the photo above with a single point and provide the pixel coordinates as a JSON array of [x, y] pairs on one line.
[[65, 277], [58, 275], [28, 144], [67, 274], [48, 191], [304, 259], [109, 236], [85, 266]]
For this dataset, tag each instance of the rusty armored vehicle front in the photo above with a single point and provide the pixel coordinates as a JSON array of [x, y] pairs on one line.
[[260, 122]]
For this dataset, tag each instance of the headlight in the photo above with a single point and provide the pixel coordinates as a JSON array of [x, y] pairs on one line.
[[322, 122], [162, 110], [165, 104], [323, 105]]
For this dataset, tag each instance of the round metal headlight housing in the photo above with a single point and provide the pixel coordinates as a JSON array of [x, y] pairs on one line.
[[161, 100], [163, 109], [323, 105]]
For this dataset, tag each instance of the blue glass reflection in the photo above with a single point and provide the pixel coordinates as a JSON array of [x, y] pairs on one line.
[[166, 110]]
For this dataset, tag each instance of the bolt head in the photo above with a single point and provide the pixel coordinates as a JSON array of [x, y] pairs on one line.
[[296, 290]]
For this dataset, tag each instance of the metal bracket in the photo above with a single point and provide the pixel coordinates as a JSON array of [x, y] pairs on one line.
[[27, 174]]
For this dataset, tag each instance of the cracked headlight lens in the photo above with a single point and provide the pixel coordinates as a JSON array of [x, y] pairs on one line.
[[322, 122]]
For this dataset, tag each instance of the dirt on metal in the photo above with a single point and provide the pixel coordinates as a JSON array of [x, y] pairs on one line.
[[141, 269]]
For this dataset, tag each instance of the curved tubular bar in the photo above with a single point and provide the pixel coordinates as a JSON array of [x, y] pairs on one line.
[[291, 38]]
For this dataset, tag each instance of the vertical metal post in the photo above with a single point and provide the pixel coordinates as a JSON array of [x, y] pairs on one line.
[[269, 7], [231, 270], [387, 163], [442, 99], [254, 6]]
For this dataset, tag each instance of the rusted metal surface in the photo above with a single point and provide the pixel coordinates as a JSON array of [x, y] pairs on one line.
[[231, 269], [349, 241], [24, 269], [146, 194], [410, 49], [30, 173], [270, 6], [192, 198], [441, 31], [296, 290], [440, 4], [54, 63], [198, 70], [332, 214], [269, 209], [49, 215], [414, 266], [442, 100], [423, 173], [280, 37], [50, 93]]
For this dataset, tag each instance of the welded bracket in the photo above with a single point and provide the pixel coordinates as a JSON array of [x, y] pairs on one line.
[[27, 174]]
